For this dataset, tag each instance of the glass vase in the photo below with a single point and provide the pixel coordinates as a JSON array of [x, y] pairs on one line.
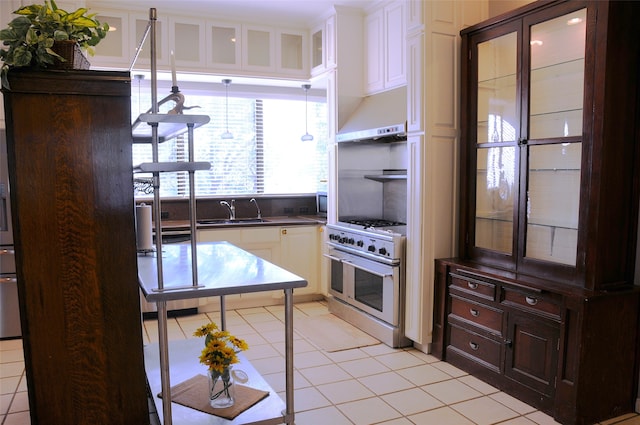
[[221, 388]]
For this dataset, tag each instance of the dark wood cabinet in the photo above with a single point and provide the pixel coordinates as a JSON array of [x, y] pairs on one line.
[[541, 301], [69, 147]]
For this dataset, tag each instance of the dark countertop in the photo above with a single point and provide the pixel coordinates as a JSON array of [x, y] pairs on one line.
[[183, 225]]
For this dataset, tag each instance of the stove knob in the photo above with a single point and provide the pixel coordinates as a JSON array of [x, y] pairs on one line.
[[383, 251], [351, 241], [372, 248], [360, 243]]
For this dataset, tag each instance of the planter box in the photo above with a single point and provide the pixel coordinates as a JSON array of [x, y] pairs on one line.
[[70, 50]]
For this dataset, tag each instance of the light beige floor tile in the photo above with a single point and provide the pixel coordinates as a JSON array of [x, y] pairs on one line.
[[512, 403], [22, 386], [627, 419], [11, 356], [325, 374], [399, 421], [300, 346], [268, 325], [450, 369], [277, 381], [269, 365], [310, 359], [251, 310], [9, 385], [363, 367], [427, 358], [346, 355], [399, 360], [451, 391], [307, 399], [412, 401], [541, 418], [240, 329], [21, 418], [379, 350], [10, 344], [385, 383], [262, 351], [326, 415], [5, 402], [11, 369], [479, 385], [253, 339], [424, 374], [344, 391], [262, 318], [635, 420], [277, 335], [442, 416], [520, 420], [368, 411], [20, 402], [484, 411]]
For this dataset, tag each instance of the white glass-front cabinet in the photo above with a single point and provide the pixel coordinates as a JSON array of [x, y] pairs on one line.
[[115, 48], [224, 46], [187, 41], [323, 46], [137, 26]]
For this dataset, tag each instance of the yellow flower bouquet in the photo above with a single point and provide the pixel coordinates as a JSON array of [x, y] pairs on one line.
[[220, 352]]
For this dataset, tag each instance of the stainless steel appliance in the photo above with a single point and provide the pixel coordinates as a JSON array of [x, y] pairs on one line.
[[367, 277], [9, 306]]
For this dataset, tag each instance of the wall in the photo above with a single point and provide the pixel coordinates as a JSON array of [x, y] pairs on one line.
[[497, 7]]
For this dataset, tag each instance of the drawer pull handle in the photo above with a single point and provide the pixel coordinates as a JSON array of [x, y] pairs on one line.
[[508, 343], [474, 312], [472, 285], [531, 300], [474, 346]]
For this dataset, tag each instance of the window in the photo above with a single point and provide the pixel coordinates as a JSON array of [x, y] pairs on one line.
[[265, 156]]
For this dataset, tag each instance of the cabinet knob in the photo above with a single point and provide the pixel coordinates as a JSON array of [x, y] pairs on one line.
[[472, 285], [284, 231], [508, 343], [474, 346], [474, 312], [531, 300]]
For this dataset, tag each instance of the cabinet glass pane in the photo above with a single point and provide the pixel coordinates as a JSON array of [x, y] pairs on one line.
[[111, 45], [187, 35], [259, 48], [291, 51], [316, 49], [557, 76], [497, 110], [553, 201], [495, 191], [223, 45]]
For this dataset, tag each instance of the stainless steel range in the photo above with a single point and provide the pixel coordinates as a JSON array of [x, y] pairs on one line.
[[367, 276]]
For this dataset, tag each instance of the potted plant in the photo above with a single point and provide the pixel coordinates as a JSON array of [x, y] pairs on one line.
[[39, 37]]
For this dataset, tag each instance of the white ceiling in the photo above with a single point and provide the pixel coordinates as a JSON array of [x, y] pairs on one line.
[[267, 12]]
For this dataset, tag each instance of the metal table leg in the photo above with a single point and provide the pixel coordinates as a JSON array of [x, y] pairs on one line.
[[163, 346], [288, 347]]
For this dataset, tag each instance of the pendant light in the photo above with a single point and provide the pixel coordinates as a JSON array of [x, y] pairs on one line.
[[306, 137], [227, 134]]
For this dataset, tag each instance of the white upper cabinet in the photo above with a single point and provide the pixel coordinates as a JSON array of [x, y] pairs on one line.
[[385, 37], [292, 54], [258, 48], [114, 50], [323, 46], [223, 45], [187, 41]]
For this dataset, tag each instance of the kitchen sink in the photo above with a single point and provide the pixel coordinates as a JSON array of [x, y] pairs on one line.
[[234, 221]]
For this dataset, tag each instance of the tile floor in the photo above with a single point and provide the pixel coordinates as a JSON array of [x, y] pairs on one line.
[[370, 385]]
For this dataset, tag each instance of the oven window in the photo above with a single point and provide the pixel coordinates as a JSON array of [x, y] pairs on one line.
[[368, 289], [336, 276]]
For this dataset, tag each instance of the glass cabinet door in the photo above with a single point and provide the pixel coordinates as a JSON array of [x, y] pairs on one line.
[[556, 81], [496, 138]]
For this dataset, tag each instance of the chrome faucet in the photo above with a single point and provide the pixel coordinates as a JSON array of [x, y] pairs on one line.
[[231, 207], [257, 207]]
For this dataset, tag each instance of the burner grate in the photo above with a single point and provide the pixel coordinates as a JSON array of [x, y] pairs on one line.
[[371, 222]]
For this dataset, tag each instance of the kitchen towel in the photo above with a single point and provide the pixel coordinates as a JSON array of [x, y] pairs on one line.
[[144, 237], [194, 393]]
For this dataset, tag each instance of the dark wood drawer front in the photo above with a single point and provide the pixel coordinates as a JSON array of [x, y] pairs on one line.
[[484, 349], [478, 314], [475, 287], [532, 302]]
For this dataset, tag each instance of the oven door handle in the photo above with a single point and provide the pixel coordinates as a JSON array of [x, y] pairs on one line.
[[331, 257], [382, 275]]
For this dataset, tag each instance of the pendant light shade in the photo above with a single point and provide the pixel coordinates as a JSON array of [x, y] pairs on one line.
[[227, 134], [306, 137]]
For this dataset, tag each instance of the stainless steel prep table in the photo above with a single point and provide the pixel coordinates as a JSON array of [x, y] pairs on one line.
[[222, 269]]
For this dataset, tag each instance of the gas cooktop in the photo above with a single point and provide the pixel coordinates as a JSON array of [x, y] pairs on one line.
[[367, 222]]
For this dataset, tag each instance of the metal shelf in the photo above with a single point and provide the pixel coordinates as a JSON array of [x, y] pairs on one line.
[[169, 126], [169, 167]]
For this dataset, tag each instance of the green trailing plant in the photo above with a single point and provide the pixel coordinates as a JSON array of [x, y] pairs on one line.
[[29, 38]]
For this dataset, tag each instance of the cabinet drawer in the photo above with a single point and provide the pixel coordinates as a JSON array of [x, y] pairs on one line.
[[478, 314], [532, 301], [473, 286], [474, 345]]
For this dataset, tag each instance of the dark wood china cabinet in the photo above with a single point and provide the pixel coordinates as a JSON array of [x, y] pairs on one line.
[[541, 301]]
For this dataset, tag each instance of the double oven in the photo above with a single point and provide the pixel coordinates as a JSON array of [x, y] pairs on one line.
[[366, 245]]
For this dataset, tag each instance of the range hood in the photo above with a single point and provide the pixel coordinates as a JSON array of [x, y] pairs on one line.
[[381, 117]]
